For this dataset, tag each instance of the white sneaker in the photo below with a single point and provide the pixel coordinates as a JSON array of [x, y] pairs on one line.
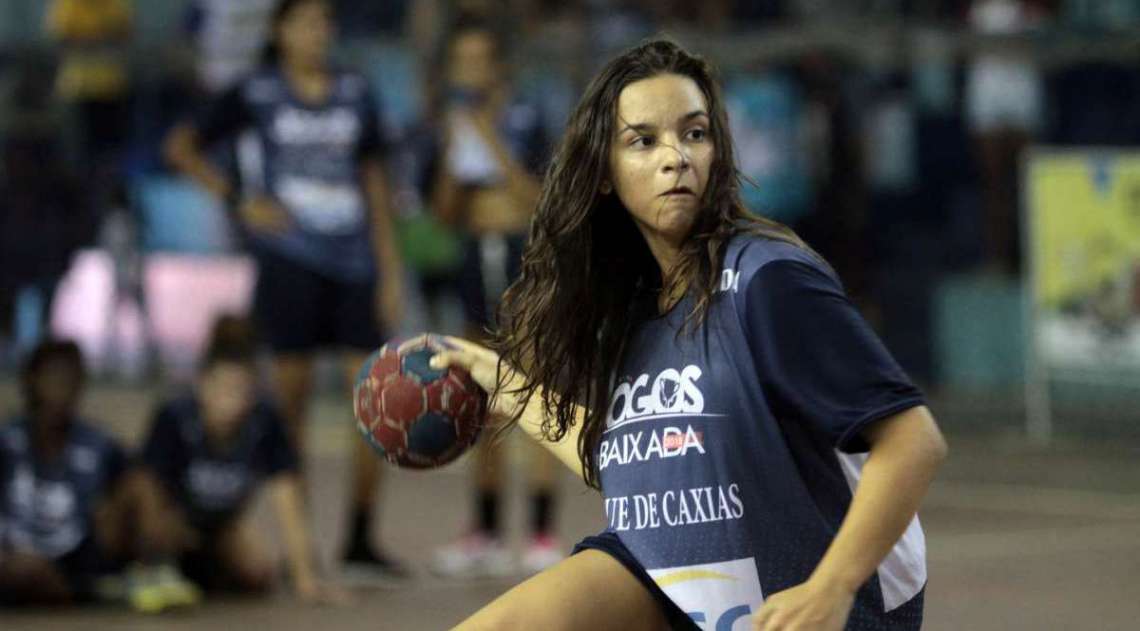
[[474, 555], [542, 551]]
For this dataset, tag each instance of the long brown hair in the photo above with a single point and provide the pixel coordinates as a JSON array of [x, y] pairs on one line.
[[588, 275]]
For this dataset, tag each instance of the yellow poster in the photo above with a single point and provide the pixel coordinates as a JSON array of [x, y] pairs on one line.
[[1083, 214]]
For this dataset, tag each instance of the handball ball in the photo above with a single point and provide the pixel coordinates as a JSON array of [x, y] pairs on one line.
[[412, 414]]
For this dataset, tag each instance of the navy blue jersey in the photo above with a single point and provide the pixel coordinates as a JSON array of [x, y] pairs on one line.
[[307, 157], [47, 508], [212, 482], [732, 451]]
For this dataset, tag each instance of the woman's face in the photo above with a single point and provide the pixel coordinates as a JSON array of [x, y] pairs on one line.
[[57, 385], [473, 64], [660, 155], [306, 32], [226, 392]]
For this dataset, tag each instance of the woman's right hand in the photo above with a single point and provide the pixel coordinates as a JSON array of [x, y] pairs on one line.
[[483, 364], [261, 214]]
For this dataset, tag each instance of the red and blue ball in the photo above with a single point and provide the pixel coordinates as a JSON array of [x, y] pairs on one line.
[[413, 415]]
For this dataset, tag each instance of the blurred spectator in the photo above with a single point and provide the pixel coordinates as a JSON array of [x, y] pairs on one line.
[[72, 510], [120, 237], [94, 82], [44, 219], [890, 140], [209, 451], [1094, 103], [770, 128], [615, 23], [314, 203], [492, 148], [431, 248], [94, 77], [229, 36], [1004, 110], [837, 222], [1101, 14], [367, 19]]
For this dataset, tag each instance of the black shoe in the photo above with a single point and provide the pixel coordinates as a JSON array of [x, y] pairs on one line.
[[364, 563]]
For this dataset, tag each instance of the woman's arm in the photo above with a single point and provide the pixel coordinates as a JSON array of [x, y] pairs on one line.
[[906, 451], [566, 450], [483, 364], [383, 230], [391, 287], [183, 151], [285, 489], [523, 186], [447, 196]]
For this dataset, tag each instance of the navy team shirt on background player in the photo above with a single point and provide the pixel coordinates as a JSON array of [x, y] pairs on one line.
[[213, 480], [731, 453], [47, 508], [306, 157]]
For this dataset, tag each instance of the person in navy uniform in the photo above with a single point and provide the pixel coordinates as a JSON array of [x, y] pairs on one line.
[[72, 507], [210, 451], [490, 155], [313, 201], [760, 454]]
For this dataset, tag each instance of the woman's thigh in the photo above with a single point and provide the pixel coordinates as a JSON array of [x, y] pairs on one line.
[[590, 591]]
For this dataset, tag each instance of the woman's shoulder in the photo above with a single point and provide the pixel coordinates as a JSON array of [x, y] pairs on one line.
[[749, 253]]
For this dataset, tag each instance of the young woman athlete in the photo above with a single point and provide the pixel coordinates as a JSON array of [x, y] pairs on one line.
[[761, 455], [314, 203]]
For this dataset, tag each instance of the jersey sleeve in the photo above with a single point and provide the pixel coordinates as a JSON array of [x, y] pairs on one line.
[[225, 116], [279, 454], [819, 361], [163, 451]]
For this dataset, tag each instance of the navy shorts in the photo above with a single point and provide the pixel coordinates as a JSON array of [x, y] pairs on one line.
[[299, 310], [490, 264], [907, 616], [609, 543]]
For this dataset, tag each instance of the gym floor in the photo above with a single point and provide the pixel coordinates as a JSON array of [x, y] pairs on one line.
[[1019, 538]]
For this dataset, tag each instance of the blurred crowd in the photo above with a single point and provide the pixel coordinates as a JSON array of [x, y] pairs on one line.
[[895, 153], [887, 133]]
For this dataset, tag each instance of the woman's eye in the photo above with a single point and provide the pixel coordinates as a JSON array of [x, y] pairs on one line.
[[697, 134], [642, 141]]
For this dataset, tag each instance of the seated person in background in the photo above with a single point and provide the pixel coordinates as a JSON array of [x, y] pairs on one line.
[[72, 509], [209, 451]]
